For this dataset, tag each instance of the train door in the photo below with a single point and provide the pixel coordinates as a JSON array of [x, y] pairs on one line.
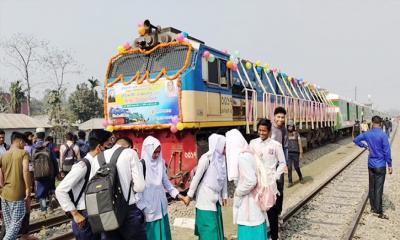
[[218, 92]]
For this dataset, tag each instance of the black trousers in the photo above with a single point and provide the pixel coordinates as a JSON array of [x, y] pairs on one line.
[[293, 161], [274, 212], [376, 181]]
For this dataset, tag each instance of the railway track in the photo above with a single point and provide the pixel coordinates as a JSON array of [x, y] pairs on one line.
[[51, 222], [333, 210]]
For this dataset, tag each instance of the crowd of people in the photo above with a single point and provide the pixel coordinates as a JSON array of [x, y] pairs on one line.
[[256, 168], [109, 192], [40, 154]]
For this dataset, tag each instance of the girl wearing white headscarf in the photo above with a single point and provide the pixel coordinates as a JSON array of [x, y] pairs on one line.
[[153, 200], [209, 184], [242, 169]]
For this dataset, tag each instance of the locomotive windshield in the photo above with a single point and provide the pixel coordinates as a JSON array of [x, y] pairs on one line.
[[169, 57]]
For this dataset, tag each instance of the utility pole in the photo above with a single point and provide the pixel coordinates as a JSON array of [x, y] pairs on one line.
[[355, 93]]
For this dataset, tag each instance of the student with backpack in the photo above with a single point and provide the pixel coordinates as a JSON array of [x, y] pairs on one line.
[[242, 169], [70, 191], [45, 168], [210, 186], [110, 194], [153, 200], [82, 143], [69, 154]]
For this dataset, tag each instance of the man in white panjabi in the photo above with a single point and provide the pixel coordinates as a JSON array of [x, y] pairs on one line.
[[271, 154]]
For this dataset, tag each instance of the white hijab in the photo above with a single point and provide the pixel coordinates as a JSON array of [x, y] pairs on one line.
[[216, 145], [154, 167], [235, 144]]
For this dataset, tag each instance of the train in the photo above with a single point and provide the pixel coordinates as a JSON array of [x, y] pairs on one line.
[[177, 88]]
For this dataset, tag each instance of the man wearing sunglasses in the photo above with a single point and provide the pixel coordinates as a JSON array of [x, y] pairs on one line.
[[70, 191]]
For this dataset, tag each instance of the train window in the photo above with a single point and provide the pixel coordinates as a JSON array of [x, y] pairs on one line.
[[348, 111], [224, 73], [170, 58], [213, 76]]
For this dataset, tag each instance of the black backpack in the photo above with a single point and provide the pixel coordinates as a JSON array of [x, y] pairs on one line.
[[43, 167], [70, 158], [105, 202]]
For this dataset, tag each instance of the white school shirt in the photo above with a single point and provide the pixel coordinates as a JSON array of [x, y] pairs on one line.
[[245, 209], [271, 154], [206, 198], [129, 169], [73, 180], [158, 207]]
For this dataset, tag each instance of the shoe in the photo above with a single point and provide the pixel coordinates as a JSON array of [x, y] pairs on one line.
[[290, 185], [383, 216]]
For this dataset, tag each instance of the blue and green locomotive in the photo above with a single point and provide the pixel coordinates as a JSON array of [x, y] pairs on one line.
[[180, 90]]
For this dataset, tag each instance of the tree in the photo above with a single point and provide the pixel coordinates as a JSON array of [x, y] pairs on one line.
[[85, 103], [38, 106], [93, 83], [4, 103], [17, 96], [60, 63], [22, 52], [60, 116]]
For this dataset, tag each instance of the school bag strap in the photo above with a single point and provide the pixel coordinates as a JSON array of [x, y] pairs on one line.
[[101, 159], [71, 148], [87, 175], [114, 158], [144, 176]]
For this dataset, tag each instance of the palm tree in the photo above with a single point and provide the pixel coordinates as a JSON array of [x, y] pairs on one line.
[[93, 83], [17, 96]]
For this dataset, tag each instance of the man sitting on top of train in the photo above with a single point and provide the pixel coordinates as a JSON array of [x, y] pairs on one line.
[[379, 155]]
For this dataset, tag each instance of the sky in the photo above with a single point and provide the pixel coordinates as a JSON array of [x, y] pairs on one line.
[[338, 45]]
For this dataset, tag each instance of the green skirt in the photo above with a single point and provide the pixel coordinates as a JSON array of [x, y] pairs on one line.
[[258, 232], [159, 229], [209, 225]]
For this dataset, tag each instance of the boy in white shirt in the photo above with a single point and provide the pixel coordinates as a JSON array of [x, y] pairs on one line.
[[70, 191], [272, 155]]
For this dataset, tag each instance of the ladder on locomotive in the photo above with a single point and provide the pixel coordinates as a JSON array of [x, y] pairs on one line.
[[250, 95]]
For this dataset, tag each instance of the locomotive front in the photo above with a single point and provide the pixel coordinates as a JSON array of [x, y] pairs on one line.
[[143, 97]]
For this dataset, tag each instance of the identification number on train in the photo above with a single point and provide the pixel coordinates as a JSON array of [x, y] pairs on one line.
[[190, 155]]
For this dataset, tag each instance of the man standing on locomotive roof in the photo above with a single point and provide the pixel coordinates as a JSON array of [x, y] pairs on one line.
[[379, 156]]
